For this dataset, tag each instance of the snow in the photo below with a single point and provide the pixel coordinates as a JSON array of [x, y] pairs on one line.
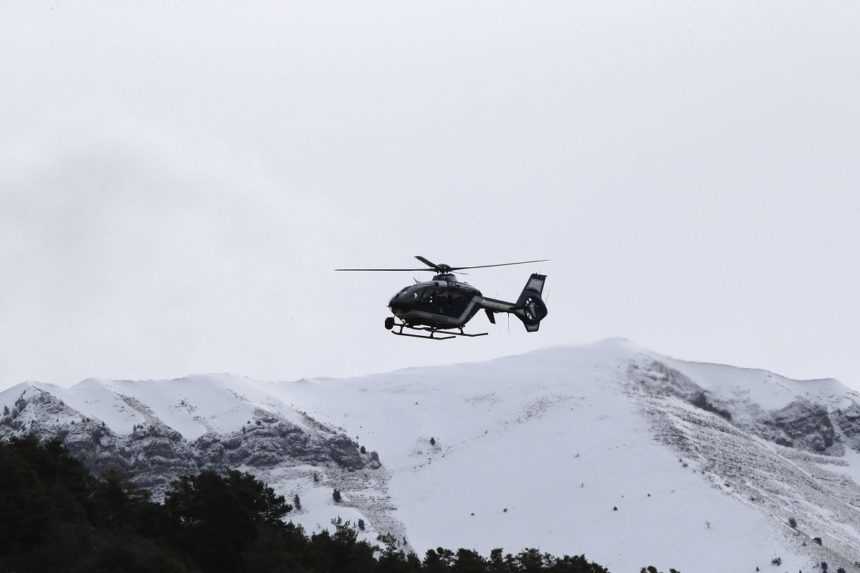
[[319, 509], [9, 395], [551, 437], [558, 449], [192, 405], [766, 389], [96, 399]]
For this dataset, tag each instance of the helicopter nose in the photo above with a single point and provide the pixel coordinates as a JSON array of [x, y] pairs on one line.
[[398, 303]]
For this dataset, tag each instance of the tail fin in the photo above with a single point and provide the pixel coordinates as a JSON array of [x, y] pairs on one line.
[[530, 307]]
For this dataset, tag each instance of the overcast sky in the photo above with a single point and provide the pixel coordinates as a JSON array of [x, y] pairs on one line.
[[178, 179]]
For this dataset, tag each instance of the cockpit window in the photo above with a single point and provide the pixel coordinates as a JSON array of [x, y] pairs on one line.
[[428, 295]]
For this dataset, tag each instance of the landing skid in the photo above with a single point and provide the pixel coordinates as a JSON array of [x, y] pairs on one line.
[[443, 334]]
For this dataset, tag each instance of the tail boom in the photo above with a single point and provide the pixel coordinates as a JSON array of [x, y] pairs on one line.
[[529, 308]]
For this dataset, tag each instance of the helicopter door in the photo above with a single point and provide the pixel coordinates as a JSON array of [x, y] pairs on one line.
[[457, 302], [443, 301], [434, 299], [427, 299]]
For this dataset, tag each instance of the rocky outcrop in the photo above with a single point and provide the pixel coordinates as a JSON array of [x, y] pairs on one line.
[[270, 440], [847, 419], [153, 454], [657, 379], [802, 425]]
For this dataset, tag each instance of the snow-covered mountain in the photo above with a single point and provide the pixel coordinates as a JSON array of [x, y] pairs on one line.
[[628, 456]]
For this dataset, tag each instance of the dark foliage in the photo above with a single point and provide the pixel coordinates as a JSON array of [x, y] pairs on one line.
[[55, 516], [215, 518]]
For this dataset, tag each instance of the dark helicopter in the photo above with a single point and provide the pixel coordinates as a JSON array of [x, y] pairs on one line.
[[444, 305]]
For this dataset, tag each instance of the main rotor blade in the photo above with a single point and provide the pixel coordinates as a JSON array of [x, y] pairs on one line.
[[500, 265], [426, 262], [387, 270]]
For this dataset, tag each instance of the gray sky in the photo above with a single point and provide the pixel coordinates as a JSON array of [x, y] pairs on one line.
[[178, 179]]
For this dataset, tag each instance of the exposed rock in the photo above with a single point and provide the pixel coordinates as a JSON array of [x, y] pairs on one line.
[[803, 425], [847, 420], [153, 454], [701, 400]]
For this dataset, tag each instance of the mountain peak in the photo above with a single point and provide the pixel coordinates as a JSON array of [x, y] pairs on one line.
[[22, 389]]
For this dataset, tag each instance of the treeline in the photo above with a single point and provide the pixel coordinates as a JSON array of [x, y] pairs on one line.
[[56, 516]]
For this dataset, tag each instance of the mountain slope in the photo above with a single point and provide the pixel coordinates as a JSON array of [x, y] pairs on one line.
[[608, 449], [559, 438]]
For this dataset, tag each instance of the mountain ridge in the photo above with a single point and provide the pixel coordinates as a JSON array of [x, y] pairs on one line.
[[609, 444]]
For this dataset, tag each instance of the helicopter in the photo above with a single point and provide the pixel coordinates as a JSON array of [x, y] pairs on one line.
[[438, 309]]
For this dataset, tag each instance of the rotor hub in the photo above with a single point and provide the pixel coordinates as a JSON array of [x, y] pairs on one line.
[[447, 277]]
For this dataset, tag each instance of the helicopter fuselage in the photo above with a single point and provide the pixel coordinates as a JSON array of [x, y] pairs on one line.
[[440, 303]]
